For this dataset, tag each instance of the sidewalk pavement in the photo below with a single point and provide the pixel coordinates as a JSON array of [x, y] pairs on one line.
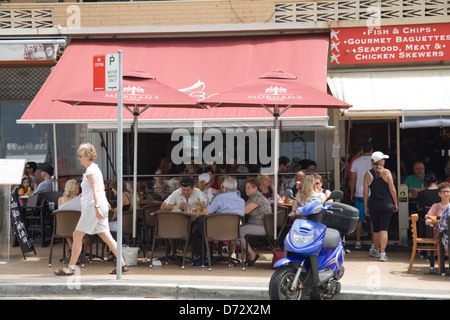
[[365, 278]]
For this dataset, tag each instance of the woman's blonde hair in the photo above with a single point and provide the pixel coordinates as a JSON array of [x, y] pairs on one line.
[[307, 189], [377, 167], [203, 185], [88, 150], [70, 188]]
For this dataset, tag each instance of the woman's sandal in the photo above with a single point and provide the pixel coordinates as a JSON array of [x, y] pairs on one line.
[[68, 271], [252, 262], [124, 269]]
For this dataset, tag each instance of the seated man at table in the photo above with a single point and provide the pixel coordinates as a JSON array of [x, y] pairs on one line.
[[186, 195], [47, 184], [415, 181], [226, 202]]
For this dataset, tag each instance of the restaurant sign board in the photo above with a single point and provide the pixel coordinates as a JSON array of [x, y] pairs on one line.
[[390, 44]]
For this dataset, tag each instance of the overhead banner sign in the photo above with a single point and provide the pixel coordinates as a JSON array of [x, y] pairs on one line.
[[390, 44], [106, 72], [28, 52]]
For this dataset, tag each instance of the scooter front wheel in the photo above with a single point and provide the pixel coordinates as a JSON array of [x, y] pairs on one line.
[[280, 284]]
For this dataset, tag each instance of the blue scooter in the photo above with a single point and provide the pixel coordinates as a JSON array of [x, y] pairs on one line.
[[314, 253]]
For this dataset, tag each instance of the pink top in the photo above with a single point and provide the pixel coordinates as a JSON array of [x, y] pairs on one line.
[[435, 210]]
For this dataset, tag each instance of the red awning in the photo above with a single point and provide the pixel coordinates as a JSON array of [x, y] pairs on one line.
[[199, 67]]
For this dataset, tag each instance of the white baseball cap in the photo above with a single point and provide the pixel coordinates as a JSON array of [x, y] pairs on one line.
[[205, 177], [378, 155]]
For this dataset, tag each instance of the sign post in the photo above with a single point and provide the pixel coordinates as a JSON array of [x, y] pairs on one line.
[[108, 77], [119, 163]]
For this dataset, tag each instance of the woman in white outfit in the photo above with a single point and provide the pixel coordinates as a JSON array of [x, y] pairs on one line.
[[94, 210]]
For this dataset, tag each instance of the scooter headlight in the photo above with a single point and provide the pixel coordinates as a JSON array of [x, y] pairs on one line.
[[301, 239]]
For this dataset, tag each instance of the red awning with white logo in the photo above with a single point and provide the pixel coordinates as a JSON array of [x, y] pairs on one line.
[[199, 67]]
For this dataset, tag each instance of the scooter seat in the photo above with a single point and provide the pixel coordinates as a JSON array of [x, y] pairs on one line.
[[332, 238]]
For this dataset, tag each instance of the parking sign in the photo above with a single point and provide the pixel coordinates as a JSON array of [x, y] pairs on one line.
[[106, 72]]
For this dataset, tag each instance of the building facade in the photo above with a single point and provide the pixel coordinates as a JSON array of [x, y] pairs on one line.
[[34, 36]]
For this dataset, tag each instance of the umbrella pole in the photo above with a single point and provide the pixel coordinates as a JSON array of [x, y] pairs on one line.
[[275, 170], [55, 147], [136, 114]]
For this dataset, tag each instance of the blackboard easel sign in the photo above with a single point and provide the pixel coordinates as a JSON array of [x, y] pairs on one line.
[[19, 230]]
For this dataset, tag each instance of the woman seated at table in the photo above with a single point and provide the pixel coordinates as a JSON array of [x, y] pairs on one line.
[[127, 203], [266, 186], [71, 196], [308, 193], [256, 207], [437, 208], [70, 200], [205, 185], [319, 184]]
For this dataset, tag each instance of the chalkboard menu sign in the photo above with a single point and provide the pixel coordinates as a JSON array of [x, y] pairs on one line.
[[19, 229]]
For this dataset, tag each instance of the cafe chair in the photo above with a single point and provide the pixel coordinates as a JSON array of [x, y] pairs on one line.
[[149, 220], [423, 244], [282, 218], [127, 229], [64, 224], [36, 217], [172, 225], [52, 197], [222, 227]]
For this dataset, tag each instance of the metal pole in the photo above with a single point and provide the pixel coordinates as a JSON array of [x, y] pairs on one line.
[[119, 169], [55, 147], [136, 114], [275, 171]]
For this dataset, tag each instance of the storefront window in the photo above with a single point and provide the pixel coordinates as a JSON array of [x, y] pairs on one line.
[[35, 143], [23, 141], [298, 146], [68, 138]]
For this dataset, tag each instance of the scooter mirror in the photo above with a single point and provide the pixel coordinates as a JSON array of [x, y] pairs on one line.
[[335, 195], [289, 194]]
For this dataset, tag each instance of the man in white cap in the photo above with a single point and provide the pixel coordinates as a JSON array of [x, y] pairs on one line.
[[356, 183]]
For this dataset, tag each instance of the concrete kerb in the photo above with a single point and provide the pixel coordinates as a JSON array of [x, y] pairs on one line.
[[110, 288], [91, 289]]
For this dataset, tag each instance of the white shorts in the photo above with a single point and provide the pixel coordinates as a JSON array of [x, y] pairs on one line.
[[89, 223]]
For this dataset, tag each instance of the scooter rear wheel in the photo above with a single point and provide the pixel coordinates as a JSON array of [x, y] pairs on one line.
[[280, 284]]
